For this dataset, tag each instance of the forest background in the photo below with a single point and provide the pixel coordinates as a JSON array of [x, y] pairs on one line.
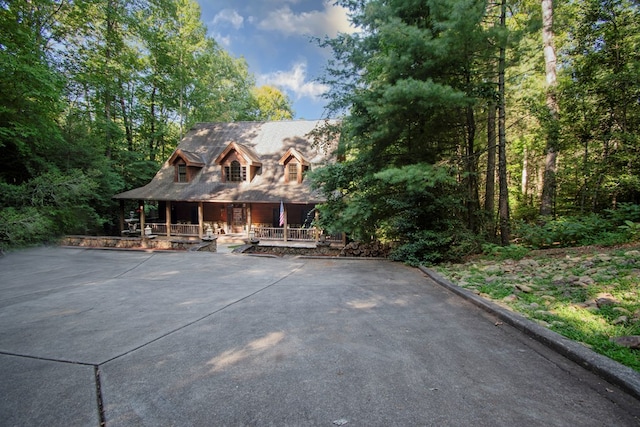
[[466, 123]]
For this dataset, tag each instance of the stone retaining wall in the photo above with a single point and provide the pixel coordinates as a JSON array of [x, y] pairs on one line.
[[137, 243]]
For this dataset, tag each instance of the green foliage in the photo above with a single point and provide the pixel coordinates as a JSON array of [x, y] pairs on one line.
[[514, 252], [576, 231], [564, 307], [47, 206]]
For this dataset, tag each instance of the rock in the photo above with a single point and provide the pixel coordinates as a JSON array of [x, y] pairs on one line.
[[524, 288], [528, 263], [631, 341], [621, 310], [603, 299], [632, 254], [534, 305], [543, 313], [491, 279], [558, 279], [492, 269], [586, 280], [510, 298], [604, 257], [621, 320]]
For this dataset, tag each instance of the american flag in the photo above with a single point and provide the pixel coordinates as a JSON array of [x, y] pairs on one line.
[[281, 213]]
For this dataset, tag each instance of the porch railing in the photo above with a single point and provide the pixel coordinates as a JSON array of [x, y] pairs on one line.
[[299, 234], [263, 233], [176, 229]]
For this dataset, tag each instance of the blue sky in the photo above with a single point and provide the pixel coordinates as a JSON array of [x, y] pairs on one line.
[[273, 37]]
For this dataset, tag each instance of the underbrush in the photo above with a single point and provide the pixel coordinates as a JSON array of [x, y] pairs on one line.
[[589, 296]]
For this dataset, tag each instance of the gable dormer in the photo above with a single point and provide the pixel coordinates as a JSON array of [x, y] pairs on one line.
[[295, 166], [238, 163], [186, 165]]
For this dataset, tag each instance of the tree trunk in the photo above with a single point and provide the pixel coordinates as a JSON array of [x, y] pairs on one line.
[[490, 182], [152, 137], [503, 202], [473, 201], [549, 177]]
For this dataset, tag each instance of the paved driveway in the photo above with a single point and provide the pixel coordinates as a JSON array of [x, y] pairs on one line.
[[201, 339]]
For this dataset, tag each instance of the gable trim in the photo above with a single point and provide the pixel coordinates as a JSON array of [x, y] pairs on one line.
[[292, 152], [248, 157]]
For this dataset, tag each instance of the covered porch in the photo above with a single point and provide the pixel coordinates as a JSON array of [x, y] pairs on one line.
[[293, 222]]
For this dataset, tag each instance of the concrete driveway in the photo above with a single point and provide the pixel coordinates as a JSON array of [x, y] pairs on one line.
[[200, 339]]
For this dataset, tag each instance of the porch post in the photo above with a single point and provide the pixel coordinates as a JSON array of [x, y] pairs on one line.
[[121, 216], [200, 219], [141, 205], [248, 220], [286, 225], [167, 220], [316, 231]]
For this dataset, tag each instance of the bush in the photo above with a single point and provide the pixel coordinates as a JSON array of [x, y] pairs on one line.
[[570, 231], [515, 252]]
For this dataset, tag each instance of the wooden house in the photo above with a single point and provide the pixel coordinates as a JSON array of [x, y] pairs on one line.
[[244, 177]]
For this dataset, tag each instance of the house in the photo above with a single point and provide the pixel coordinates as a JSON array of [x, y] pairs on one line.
[[243, 177]]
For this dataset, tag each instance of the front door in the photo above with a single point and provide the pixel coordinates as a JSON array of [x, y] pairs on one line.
[[238, 215]]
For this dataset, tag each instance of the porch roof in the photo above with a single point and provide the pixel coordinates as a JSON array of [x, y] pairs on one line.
[[269, 140]]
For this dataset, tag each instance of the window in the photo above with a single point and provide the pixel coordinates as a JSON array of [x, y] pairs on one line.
[[236, 172], [182, 172], [293, 172]]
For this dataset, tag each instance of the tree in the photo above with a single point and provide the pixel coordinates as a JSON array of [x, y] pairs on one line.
[[410, 82], [552, 129], [271, 104]]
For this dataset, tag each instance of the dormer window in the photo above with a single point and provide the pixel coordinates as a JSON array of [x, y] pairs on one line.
[[295, 166], [235, 172], [238, 163], [186, 165], [182, 172], [293, 171]]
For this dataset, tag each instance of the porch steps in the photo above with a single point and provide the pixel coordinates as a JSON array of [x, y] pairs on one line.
[[232, 238]]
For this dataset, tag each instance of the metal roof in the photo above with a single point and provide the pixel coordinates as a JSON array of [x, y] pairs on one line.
[[268, 141]]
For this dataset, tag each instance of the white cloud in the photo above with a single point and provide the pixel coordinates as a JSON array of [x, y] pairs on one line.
[[295, 82], [228, 16], [329, 21], [224, 41]]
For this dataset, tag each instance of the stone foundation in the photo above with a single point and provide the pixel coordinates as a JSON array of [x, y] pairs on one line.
[[293, 251], [137, 243]]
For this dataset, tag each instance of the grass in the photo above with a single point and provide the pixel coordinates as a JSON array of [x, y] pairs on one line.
[[589, 295]]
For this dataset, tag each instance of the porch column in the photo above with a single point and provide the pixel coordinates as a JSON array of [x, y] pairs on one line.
[[141, 207], [248, 220], [200, 219], [286, 225], [121, 216], [167, 210], [316, 231]]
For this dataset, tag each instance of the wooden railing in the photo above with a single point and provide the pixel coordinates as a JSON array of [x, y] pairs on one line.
[[262, 233], [176, 229], [293, 234], [269, 233]]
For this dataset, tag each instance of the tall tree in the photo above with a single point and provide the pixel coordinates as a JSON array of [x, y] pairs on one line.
[[503, 197], [409, 81], [551, 122]]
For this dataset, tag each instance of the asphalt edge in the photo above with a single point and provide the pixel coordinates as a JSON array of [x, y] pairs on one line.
[[610, 370]]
